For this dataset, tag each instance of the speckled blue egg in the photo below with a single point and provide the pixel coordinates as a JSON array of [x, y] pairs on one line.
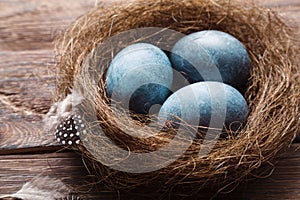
[[205, 104], [212, 56], [139, 77]]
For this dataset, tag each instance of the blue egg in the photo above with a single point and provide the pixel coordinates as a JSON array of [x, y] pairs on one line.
[[205, 104], [139, 77], [212, 56]]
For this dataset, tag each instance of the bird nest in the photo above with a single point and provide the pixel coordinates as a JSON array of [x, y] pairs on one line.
[[272, 94]]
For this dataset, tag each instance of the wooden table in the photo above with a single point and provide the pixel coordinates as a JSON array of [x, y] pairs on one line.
[[27, 81]]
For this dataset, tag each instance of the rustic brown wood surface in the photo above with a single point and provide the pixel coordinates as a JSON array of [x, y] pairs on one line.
[[27, 81], [15, 170]]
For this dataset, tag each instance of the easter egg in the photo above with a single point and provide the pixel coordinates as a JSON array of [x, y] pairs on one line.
[[139, 77], [205, 104], [212, 56]]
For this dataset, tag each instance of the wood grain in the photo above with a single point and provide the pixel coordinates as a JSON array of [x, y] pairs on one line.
[[15, 170], [27, 73], [32, 24], [26, 85], [27, 81]]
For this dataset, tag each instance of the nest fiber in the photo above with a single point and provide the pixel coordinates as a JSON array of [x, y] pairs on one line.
[[273, 91]]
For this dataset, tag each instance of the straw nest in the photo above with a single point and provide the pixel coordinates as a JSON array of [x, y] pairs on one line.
[[272, 93]]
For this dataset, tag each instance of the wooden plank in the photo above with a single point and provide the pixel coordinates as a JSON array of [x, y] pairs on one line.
[[32, 24], [29, 25], [27, 30], [27, 81], [23, 71], [282, 184], [15, 170], [27, 78]]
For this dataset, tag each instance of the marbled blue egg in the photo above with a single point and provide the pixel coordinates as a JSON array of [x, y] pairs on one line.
[[138, 77], [207, 104], [212, 56]]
